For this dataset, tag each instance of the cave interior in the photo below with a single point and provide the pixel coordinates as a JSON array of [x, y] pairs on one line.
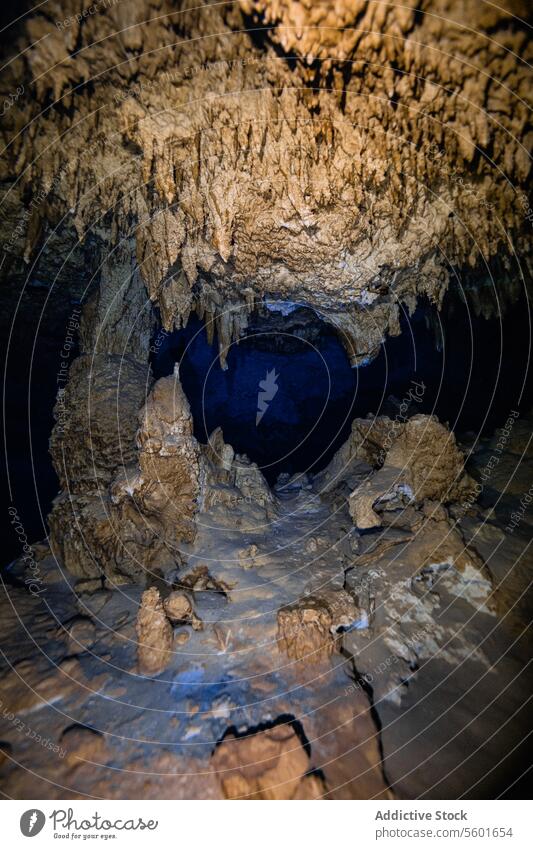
[[265, 313]]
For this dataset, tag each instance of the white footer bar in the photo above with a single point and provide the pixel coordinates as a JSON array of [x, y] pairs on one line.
[[264, 825]]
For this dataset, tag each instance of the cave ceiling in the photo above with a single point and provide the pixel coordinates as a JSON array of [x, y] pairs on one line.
[[349, 156]]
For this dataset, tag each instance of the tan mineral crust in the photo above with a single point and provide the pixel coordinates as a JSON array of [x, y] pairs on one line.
[[147, 509], [308, 629], [179, 610], [348, 159], [344, 161]]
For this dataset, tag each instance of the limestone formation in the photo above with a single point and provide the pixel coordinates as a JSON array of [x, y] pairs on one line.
[[118, 317], [96, 420], [308, 629], [248, 558], [180, 611], [385, 485], [136, 522], [427, 450], [154, 634], [335, 162], [265, 764], [344, 161], [164, 486], [199, 580], [422, 462], [336, 174], [231, 478]]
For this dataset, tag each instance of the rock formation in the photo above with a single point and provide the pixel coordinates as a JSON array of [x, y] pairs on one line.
[[266, 764], [417, 459], [96, 416], [164, 485], [308, 630], [230, 478], [154, 634], [179, 610], [128, 525], [334, 161]]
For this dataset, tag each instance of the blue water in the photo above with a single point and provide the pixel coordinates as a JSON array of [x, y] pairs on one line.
[[306, 399]]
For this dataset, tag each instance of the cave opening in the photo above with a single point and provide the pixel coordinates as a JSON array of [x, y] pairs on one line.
[[288, 396], [475, 370]]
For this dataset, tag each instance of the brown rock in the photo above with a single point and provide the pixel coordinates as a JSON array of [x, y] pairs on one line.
[[167, 482], [307, 629], [199, 579], [269, 764], [139, 520], [27, 687], [154, 634], [427, 450], [96, 421], [81, 636], [382, 155], [422, 463], [229, 479], [177, 607], [179, 610]]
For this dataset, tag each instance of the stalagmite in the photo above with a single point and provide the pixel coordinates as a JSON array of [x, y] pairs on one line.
[[154, 634]]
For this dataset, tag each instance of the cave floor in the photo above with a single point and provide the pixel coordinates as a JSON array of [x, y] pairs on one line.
[[439, 711]]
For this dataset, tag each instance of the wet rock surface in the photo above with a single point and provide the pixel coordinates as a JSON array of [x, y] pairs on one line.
[[419, 625]]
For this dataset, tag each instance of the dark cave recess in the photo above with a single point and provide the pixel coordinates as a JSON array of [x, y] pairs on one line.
[[478, 376], [474, 371]]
